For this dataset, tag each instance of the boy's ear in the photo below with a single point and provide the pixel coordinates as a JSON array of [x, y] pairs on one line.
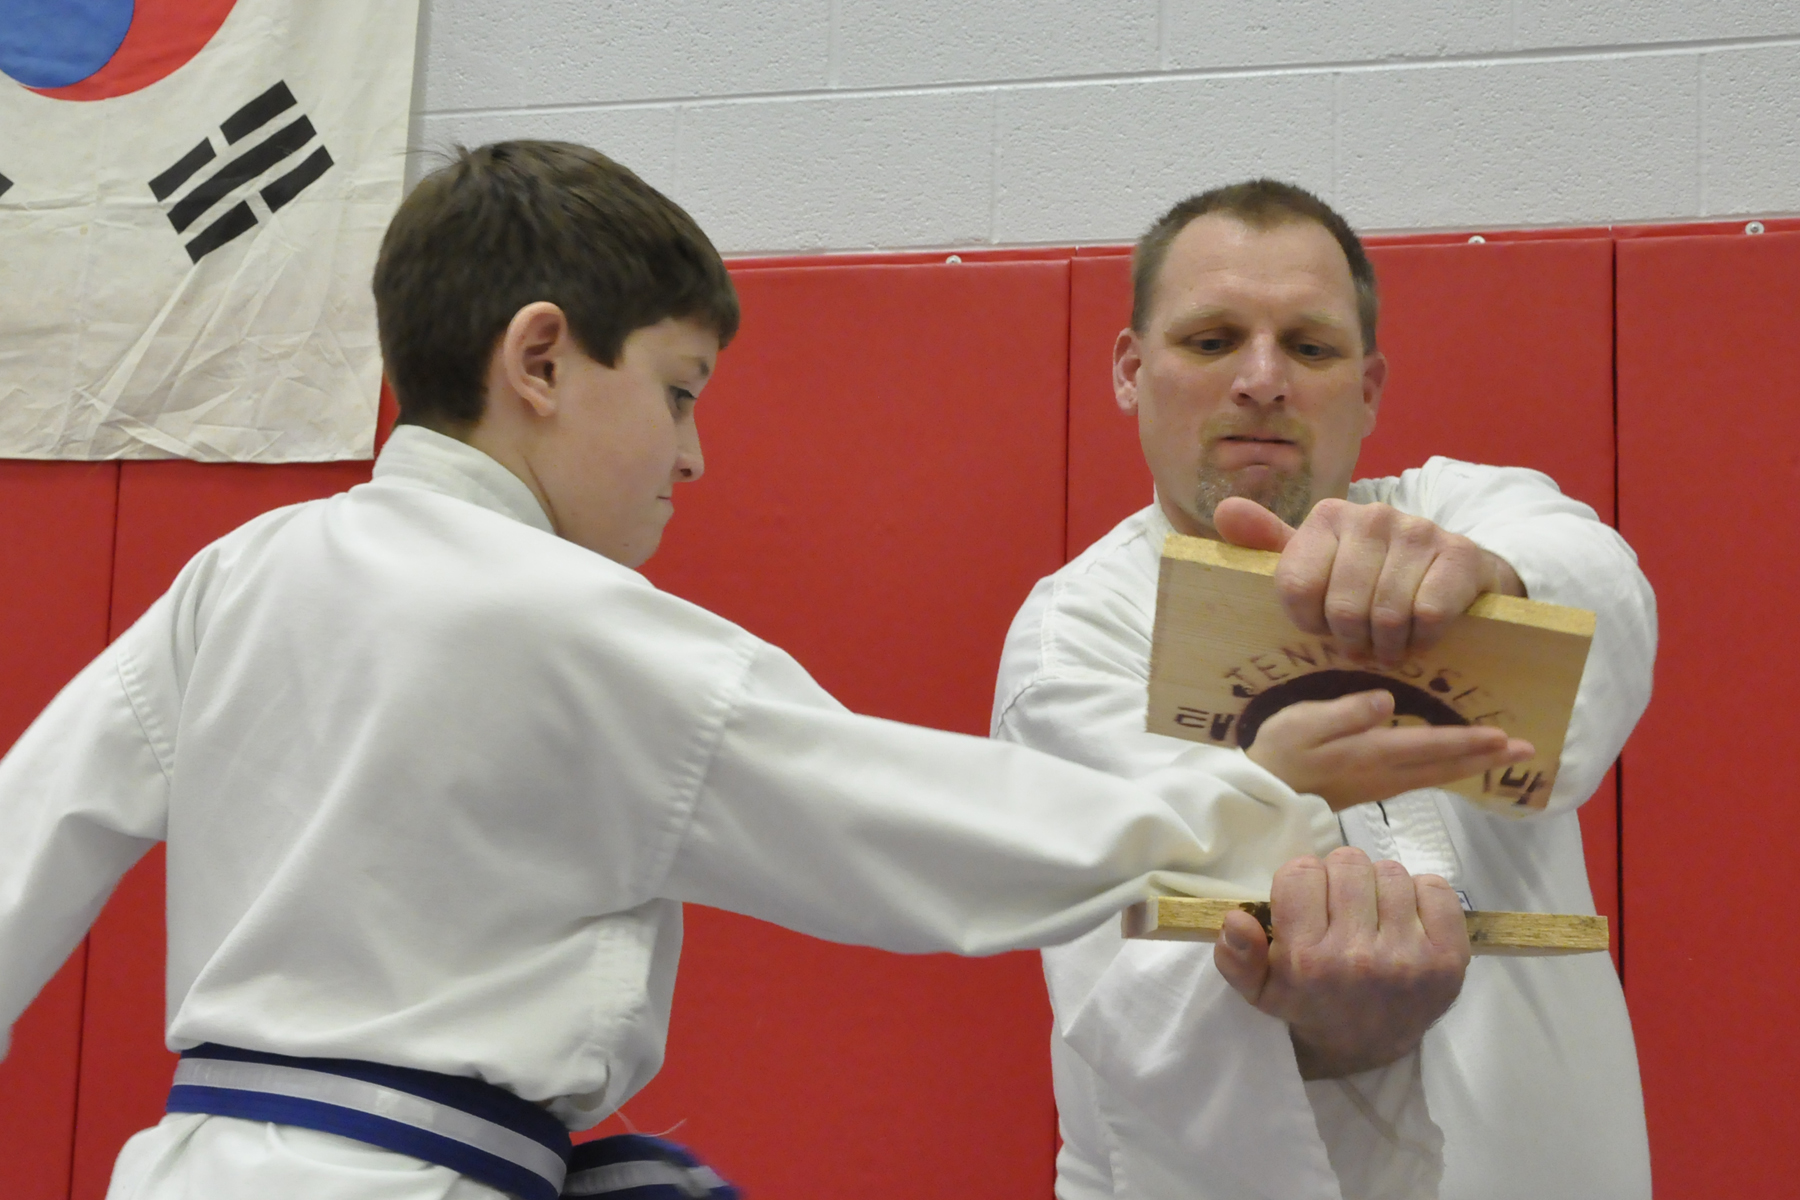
[[530, 350]]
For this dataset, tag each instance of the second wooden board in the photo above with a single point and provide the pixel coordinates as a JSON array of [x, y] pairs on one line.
[[1193, 919], [1225, 658]]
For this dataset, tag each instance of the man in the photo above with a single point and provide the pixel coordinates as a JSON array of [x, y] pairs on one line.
[[1252, 368]]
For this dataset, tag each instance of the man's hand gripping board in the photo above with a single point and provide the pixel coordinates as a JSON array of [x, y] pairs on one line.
[[1191, 919], [1224, 658]]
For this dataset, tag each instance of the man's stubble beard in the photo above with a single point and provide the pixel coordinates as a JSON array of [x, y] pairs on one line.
[[1289, 496]]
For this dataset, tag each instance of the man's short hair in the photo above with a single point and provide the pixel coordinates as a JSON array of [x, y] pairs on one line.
[[1260, 204], [507, 224]]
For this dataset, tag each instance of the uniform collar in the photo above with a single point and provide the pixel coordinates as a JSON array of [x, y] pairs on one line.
[[1156, 525], [418, 457]]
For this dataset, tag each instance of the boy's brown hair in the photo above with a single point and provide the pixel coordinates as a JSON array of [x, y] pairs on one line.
[[510, 223], [1260, 204]]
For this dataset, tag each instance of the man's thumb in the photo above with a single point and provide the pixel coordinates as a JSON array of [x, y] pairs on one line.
[[1246, 523], [1242, 956]]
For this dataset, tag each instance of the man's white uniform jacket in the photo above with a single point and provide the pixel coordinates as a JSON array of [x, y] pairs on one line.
[[1169, 1086], [434, 782]]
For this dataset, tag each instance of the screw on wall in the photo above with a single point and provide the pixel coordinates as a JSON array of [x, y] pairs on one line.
[[1754, 227]]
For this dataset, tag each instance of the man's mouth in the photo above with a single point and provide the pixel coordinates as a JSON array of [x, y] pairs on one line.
[[1239, 451]]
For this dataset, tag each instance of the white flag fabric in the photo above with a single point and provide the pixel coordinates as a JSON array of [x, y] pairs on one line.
[[192, 195]]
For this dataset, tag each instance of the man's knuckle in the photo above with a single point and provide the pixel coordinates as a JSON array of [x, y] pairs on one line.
[[1332, 510], [1386, 618], [1416, 533], [1304, 865], [1294, 585], [1430, 613]]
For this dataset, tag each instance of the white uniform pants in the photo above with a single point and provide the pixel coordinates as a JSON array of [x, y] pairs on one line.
[[192, 1156]]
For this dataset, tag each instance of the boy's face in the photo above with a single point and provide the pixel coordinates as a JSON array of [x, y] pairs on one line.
[[603, 447]]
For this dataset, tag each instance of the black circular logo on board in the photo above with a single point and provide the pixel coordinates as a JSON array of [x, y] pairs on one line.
[[1409, 701]]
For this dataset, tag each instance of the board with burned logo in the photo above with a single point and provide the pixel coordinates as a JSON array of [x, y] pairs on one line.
[[1225, 658]]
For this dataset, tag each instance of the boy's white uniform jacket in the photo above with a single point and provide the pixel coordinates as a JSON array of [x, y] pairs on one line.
[[1170, 1087], [434, 782]]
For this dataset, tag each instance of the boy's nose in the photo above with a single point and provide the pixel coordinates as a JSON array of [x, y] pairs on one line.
[[690, 464]]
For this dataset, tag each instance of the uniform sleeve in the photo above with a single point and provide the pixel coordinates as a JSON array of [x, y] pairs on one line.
[[83, 794], [870, 832], [1564, 554]]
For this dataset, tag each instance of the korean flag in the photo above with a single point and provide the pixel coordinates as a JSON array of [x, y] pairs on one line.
[[192, 194]]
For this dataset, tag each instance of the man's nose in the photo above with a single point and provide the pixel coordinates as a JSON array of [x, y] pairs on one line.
[[690, 464], [1262, 373]]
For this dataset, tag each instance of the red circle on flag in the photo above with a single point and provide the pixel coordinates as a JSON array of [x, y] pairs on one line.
[[164, 35]]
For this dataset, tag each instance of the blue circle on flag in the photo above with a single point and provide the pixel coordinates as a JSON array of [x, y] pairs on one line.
[[53, 43]]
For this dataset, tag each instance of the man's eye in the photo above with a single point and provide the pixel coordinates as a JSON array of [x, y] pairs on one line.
[[1312, 350], [1211, 345]]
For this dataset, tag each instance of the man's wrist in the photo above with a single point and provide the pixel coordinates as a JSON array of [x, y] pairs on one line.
[[1319, 1060]]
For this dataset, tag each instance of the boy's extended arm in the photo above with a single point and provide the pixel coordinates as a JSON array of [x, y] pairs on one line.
[[83, 795], [871, 832]]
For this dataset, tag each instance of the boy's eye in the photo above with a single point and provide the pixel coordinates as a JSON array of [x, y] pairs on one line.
[[680, 398]]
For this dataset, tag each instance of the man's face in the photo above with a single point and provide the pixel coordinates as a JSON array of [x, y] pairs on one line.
[[623, 437], [1249, 378]]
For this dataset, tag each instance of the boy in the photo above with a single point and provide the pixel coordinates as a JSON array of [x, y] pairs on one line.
[[436, 767]]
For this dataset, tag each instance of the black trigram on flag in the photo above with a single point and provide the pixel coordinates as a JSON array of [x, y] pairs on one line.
[[277, 159]]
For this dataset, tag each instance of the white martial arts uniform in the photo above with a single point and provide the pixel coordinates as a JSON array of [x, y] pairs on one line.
[[434, 783], [1170, 1087]]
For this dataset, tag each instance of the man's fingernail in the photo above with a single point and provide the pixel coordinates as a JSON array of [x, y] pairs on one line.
[[1236, 940]]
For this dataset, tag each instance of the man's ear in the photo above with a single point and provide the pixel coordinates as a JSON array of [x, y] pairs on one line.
[[529, 351], [1375, 368], [1128, 360]]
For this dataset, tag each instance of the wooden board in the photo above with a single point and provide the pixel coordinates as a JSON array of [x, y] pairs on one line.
[[1224, 658], [1191, 919]]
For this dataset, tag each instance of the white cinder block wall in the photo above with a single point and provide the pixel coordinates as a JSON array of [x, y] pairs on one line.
[[819, 125]]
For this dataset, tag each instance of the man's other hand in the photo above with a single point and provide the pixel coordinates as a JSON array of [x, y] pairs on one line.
[[1365, 958], [1378, 581], [1344, 751]]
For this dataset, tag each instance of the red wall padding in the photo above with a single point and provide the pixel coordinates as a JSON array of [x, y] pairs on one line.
[[56, 533], [1499, 353], [1709, 492], [888, 472], [1108, 480], [884, 458], [167, 511]]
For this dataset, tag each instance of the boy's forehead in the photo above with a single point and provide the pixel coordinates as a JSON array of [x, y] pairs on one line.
[[693, 344]]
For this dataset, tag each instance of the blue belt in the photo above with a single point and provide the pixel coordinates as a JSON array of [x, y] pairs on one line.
[[471, 1127]]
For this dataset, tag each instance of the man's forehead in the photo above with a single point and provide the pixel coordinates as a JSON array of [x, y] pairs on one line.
[[1217, 261]]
